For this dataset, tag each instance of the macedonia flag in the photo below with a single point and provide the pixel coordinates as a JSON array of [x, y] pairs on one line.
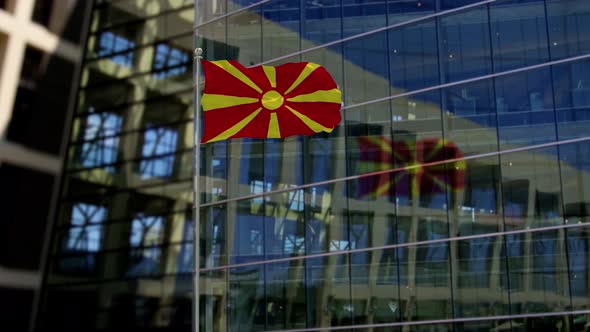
[[380, 153], [268, 102]]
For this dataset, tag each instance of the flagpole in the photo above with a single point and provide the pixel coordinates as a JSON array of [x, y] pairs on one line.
[[196, 192]]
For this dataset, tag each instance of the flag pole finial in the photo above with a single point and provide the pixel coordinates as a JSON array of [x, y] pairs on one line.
[[196, 189]]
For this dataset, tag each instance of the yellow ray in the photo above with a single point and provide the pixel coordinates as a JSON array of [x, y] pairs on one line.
[[327, 96], [411, 152], [307, 70], [415, 186], [271, 74], [435, 149], [374, 165], [440, 183], [460, 164], [381, 143], [235, 72], [273, 126], [316, 127], [382, 189], [398, 177], [236, 128], [212, 101]]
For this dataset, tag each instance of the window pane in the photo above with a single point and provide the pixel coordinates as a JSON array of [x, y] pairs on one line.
[[280, 28], [525, 109], [572, 98], [531, 189], [413, 57], [465, 49], [158, 146], [519, 33], [362, 15], [569, 25], [366, 61], [322, 22]]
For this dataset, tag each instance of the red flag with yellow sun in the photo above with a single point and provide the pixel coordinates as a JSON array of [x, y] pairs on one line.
[[418, 177], [266, 101]]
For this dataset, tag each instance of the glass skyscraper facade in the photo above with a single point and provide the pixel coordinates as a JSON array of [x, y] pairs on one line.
[[481, 108]]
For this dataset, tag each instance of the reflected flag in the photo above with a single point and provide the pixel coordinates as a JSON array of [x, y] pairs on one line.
[[379, 153], [268, 102]]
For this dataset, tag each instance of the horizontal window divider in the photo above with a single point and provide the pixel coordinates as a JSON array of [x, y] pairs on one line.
[[394, 246], [461, 82], [111, 191], [127, 161], [137, 20], [140, 74], [439, 321], [397, 169], [237, 11], [102, 281], [110, 309], [471, 80], [131, 131], [122, 249], [128, 104], [119, 221], [136, 47], [353, 37]]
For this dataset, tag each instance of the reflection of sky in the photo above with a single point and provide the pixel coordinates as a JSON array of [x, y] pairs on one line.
[[158, 141], [524, 102], [577, 246], [86, 230], [99, 151], [112, 43], [166, 56]]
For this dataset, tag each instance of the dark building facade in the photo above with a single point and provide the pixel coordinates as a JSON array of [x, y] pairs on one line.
[[492, 235], [40, 55]]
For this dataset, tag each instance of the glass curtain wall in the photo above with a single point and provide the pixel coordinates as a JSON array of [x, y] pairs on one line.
[[496, 239]]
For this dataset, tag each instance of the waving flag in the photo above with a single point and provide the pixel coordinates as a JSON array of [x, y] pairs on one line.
[[268, 102], [380, 153]]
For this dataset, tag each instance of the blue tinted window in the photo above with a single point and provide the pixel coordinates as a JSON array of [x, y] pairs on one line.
[[86, 230], [100, 146], [322, 21], [363, 15], [281, 34], [544, 270], [465, 49], [577, 249], [413, 57], [475, 257], [158, 148], [450, 4], [473, 102], [404, 10], [146, 235], [110, 43], [185, 255], [572, 97], [169, 61], [525, 108], [519, 34], [84, 237], [569, 27], [367, 69]]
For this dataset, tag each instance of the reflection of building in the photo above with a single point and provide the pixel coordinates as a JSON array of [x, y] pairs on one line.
[[40, 55], [488, 77]]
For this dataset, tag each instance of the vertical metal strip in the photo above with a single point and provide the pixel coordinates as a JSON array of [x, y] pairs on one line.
[[196, 170]]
